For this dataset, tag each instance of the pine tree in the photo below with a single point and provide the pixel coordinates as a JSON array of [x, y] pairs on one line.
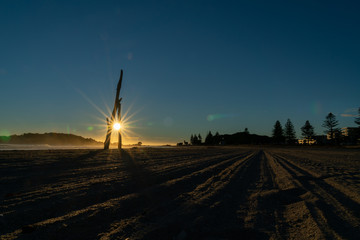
[[196, 140], [192, 139], [357, 119], [356, 132], [307, 131], [199, 139], [330, 124], [217, 138], [209, 140], [290, 135], [278, 133]]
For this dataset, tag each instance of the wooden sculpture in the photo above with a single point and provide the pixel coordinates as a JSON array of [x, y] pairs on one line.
[[111, 122]]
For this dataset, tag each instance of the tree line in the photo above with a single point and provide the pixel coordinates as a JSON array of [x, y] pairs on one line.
[[287, 135], [210, 139], [284, 135], [244, 137]]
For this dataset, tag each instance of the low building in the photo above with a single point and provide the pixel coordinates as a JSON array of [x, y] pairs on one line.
[[348, 131], [307, 141], [351, 136], [335, 135], [319, 139]]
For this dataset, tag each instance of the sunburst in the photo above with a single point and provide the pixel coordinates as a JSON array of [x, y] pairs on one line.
[[126, 125]]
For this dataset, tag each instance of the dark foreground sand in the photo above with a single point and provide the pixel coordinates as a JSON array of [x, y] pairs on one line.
[[180, 193]]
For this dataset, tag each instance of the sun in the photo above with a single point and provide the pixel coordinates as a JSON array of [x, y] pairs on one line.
[[117, 126]]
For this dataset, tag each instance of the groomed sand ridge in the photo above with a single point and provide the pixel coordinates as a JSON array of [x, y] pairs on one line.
[[181, 193]]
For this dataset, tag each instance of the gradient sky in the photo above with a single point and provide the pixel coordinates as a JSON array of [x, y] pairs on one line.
[[189, 66]]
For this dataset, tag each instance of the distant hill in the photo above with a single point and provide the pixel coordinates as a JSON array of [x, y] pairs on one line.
[[48, 138]]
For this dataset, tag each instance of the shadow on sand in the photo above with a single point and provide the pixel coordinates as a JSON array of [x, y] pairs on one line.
[[139, 175]]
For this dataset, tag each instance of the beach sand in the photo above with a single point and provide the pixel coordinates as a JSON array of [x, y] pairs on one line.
[[180, 193]]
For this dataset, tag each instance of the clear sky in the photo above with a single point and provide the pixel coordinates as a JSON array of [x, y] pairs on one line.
[[189, 66]]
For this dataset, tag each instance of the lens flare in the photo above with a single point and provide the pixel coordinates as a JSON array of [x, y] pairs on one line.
[[117, 126], [212, 117], [127, 123]]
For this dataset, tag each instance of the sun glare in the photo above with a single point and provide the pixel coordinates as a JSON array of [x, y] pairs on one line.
[[127, 125], [117, 126]]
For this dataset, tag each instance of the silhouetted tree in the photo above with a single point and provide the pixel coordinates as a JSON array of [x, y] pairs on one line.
[[356, 132], [330, 124], [217, 138], [357, 119], [192, 139], [209, 140], [196, 140], [278, 133], [307, 131], [199, 139], [338, 136], [246, 131], [289, 132]]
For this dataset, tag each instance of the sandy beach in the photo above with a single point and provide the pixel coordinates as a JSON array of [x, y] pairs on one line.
[[180, 193]]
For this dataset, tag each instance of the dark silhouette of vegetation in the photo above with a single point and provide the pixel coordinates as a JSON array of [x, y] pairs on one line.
[[287, 135], [246, 131], [195, 139], [354, 133], [231, 139], [330, 124], [357, 119], [278, 133], [289, 132], [213, 139], [209, 140], [217, 139], [307, 131], [244, 138]]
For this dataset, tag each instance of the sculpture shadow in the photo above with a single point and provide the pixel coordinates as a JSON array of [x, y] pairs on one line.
[[140, 176]]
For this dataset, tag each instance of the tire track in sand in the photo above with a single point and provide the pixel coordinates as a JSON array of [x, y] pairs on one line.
[[259, 209], [224, 194], [296, 221], [142, 203], [74, 192], [183, 200], [336, 215]]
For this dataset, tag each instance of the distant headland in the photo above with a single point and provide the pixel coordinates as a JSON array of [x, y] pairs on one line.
[[48, 138]]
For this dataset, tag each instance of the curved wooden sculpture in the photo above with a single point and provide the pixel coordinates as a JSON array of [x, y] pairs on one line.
[[117, 109]]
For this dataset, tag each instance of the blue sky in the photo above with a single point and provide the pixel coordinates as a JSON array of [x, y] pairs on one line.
[[189, 66]]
